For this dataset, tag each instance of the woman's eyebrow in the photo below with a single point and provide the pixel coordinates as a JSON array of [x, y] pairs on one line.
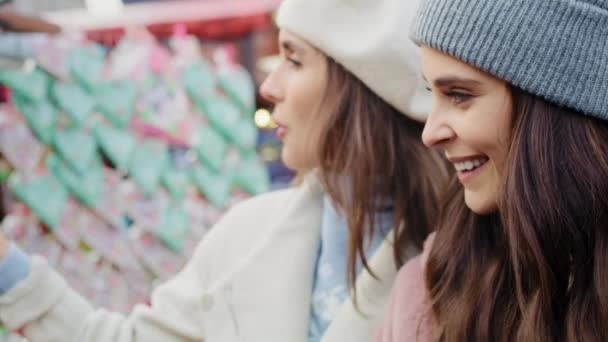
[[290, 47], [453, 80]]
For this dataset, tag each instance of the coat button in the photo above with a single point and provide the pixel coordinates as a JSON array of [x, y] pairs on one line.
[[207, 302]]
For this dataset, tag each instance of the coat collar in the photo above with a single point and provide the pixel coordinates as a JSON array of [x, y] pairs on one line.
[[285, 261], [359, 323]]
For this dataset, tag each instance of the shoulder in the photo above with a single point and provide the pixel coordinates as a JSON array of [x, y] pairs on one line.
[[258, 207], [247, 223], [412, 273], [409, 314], [410, 281], [268, 207], [252, 214]]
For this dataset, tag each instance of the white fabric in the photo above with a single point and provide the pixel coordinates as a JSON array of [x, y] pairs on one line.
[[250, 280], [370, 39]]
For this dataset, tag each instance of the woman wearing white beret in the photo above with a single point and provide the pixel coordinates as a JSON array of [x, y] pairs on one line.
[[280, 267]]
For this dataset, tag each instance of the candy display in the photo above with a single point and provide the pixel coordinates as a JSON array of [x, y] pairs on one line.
[[18, 144], [118, 161]]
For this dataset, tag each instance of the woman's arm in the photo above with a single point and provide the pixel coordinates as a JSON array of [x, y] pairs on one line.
[[44, 308], [14, 265]]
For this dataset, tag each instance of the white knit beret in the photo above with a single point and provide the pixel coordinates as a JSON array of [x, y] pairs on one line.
[[370, 39]]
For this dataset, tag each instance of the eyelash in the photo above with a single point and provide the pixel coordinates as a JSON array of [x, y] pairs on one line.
[[458, 97], [293, 62]]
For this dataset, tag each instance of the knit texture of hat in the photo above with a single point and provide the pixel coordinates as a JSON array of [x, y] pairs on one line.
[[555, 49], [369, 38]]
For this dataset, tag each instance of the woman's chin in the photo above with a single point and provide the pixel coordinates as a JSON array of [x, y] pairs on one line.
[[296, 161], [288, 160], [480, 204]]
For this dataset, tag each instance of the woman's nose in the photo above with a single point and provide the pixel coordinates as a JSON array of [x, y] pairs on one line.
[[436, 131]]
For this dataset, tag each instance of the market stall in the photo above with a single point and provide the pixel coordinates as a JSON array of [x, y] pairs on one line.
[[116, 160]]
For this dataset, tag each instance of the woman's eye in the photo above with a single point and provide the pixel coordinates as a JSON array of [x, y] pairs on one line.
[[458, 97], [293, 62]]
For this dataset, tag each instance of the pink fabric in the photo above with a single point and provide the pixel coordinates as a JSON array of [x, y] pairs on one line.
[[409, 316]]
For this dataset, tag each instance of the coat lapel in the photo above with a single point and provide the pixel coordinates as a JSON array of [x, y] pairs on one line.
[[359, 324], [272, 290]]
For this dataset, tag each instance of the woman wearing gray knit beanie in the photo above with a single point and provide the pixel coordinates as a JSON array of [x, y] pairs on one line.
[[349, 100], [520, 107]]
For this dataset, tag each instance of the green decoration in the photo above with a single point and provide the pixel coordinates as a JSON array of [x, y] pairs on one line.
[[245, 135], [74, 101], [199, 81], [85, 187], [238, 84], [117, 102], [215, 186], [222, 114], [40, 116], [32, 85], [176, 181], [45, 196], [174, 229], [148, 163], [5, 173], [118, 145], [211, 148], [78, 149], [87, 65], [252, 176]]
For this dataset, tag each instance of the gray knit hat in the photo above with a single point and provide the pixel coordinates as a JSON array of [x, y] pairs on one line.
[[555, 49]]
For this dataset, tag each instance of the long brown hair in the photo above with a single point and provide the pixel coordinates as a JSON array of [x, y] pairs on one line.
[[534, 271], [370, 154]]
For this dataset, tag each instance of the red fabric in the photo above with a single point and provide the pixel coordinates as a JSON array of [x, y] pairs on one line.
[[228, 28], [19, 332], [4, 94]]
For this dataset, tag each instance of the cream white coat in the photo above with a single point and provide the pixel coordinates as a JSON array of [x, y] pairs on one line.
[[250, 280]]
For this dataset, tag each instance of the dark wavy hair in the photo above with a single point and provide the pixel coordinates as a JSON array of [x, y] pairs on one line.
[[535, 270], [370, 154]]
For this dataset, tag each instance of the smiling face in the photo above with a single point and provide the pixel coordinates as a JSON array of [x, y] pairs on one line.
[[471, 122], [297, 88]]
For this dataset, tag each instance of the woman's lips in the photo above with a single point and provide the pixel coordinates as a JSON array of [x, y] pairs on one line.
[[281, 132], [465, 175], [468, 167]]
